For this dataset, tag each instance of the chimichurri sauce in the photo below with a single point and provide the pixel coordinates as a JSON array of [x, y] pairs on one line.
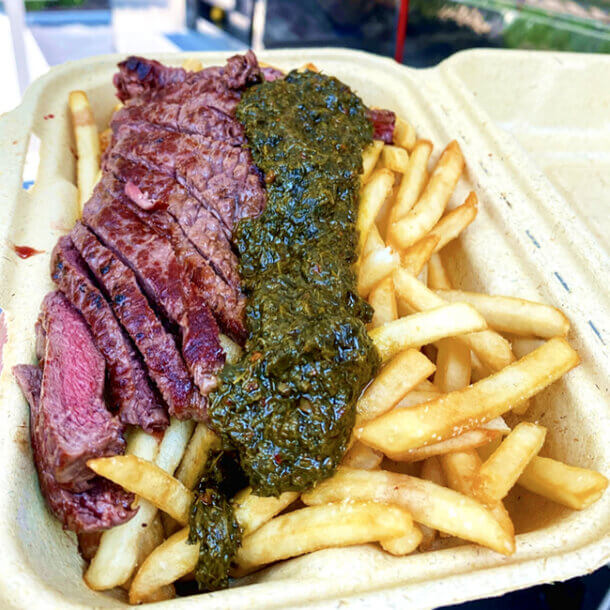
[[288, 406]]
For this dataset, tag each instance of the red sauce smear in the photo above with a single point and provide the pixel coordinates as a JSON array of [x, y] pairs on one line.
[[26, 251]]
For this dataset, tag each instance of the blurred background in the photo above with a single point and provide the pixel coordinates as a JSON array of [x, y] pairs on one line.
[[36, 34]]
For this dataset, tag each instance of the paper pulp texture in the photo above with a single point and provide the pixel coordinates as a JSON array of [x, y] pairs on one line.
[[526, 241]]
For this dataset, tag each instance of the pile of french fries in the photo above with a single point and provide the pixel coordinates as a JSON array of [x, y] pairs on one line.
[[431, 456]]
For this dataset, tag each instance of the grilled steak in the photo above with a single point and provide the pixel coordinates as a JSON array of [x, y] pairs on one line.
[[73, 424], [165, 281], [383, 124], [100, 507], [158, 348], [129, 386]]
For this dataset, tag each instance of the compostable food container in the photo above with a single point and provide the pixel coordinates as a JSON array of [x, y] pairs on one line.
[[527, 241]]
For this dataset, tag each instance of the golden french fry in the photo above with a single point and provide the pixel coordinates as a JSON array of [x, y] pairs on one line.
[[491, 348], [414, 259], [438, 278], [468, 440], [412, 183], [117, 555], [361, 456], [404, 134], [175, 558], [394, 158], [500, 472], [431, 470], [455, 221], [513, 315], [383, 302], [195, 457], [372, 196], [398, 377], [87, 144], [452, 365], [457, 412], [373, 242], [370, 155], [460, 470], [416, 397], [148, 481], [425, 327], [378, 265], [105, 140], [433, 201], [190, 64], [430, 504], [406, 544], [571, 486], [319, 527]]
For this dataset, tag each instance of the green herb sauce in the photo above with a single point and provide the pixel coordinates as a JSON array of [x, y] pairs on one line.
[[288, 406]]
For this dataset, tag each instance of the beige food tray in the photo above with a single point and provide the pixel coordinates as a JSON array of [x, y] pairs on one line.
[[526, 241]]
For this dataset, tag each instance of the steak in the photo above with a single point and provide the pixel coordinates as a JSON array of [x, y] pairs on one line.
[[129, 386], [383, 124], [220, 176], [100, 507], [157, 346], [165, 281], [73, 423]]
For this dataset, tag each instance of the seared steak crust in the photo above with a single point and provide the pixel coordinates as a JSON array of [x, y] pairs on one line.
[[129, 386]]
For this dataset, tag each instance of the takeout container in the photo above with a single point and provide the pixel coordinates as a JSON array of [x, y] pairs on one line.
[[526, 241]]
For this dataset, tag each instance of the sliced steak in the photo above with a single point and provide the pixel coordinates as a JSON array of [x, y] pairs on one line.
[[165, 281], [190, 118], [129, 385], [100, 507], [158, 348], [383, 124], [74, 424], [138, 75]]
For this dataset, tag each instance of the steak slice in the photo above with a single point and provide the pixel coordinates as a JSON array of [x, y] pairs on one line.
[[221, 177], [73, 424], [157, 346], [383, 124], [100, 507], [165, 281], [130, 388], [204, 269], [190, 118]]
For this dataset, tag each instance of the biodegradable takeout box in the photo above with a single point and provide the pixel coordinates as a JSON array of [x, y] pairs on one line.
[[526, 241]]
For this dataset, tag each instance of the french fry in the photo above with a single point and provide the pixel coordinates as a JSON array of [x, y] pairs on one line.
[[370, 155], [430, 504], [383, 302], [378, 265], [414, 258], [394, 158], [195, 457], [319, 527], [148, 481], [412, 183], [396, 379], [416, 397], [373, 242], [468, 440], [491, 348], [231, 349], [406, 544], [175, 558], [457, 412], [372, 196], [571, 486], [433, 201], [452, 365], [190, 64], [404, 134], [460, 470], [501, 470], [438, 278], [427, 386], [361, 456], [513, 315], [425, 327], [455, 221], [87, 144], [431, 470], [117, 554]]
